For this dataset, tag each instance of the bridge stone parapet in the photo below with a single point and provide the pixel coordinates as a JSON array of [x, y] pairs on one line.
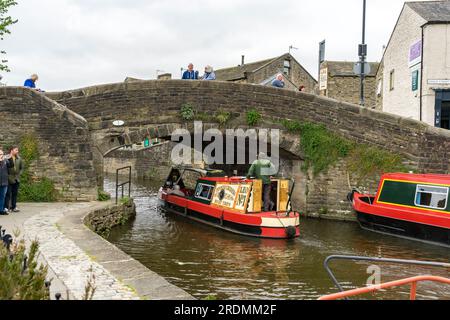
[[62, 136]]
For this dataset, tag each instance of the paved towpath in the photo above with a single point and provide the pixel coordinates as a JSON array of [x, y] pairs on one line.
[[74, 254]]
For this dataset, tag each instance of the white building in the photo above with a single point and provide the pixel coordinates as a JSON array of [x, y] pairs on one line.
[[414, 75]]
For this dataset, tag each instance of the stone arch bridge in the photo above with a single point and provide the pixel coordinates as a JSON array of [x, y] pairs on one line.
[[75, 128]]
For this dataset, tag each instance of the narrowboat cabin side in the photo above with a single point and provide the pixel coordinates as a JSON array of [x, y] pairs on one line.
[[408, 205]]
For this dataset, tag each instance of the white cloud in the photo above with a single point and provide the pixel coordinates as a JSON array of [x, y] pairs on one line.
[[75, 43]]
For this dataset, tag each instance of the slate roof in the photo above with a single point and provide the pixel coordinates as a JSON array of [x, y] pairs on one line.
[[236, 73], [432, 11], [345, 69]]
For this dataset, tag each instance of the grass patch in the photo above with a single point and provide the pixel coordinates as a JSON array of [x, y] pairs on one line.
[[125, 201], [223, 117], [187, 112], [253, 117], [103, 196]]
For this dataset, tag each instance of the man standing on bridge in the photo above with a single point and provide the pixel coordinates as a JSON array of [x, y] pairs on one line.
[[190, 73]]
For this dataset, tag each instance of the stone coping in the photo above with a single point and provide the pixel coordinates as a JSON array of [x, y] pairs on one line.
[[73, 252]]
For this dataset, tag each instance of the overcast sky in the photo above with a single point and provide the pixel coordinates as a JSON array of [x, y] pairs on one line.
[[77, 43]]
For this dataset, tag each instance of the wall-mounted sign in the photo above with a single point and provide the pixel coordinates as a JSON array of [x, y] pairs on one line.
[[442, 82], [323, 79], [118, 123], [415, 80], [415, 53]]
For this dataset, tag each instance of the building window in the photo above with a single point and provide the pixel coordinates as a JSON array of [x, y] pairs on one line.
[[287, 67], [391, 80], [431, 197]]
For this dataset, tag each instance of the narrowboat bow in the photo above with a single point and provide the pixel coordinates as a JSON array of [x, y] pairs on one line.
[[407, 205], [232, 204]]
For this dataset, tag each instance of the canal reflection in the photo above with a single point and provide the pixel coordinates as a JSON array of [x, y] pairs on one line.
[[205, 261]]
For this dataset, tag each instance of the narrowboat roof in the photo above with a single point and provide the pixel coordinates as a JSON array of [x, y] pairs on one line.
[[228, 179], [203, 172], [438, 179]]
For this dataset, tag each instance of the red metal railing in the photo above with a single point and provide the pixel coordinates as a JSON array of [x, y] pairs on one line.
[[398, 283]]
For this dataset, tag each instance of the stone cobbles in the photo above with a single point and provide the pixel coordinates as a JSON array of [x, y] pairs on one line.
[[70, 263]]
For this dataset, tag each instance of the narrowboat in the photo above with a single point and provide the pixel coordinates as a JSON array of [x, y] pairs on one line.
[[232, 204], [411, 206]]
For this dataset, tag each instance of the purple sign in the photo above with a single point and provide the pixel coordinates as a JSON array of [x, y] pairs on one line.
[[415, 53]]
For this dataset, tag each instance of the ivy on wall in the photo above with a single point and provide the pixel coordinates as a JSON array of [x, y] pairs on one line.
[[322, 149], [33, 189]]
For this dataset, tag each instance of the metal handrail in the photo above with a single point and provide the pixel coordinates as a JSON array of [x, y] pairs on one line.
[[413, 281], [373, 259], [122, 185]]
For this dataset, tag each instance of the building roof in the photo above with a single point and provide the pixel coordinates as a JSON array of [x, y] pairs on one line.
[[432, 11], [345, 69], [236, 73]]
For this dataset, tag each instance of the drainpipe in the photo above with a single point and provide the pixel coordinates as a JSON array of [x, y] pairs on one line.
[[421, 77]]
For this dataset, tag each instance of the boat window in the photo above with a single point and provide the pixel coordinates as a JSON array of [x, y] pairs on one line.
[[204, 191], [431, 197]]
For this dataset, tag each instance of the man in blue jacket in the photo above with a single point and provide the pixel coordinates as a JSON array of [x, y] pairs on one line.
[[279, 82], [190, 73], [31, 83]]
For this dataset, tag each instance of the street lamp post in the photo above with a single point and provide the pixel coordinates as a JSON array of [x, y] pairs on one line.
[[363, 53]]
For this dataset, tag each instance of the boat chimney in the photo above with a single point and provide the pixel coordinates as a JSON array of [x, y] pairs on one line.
[[243, 60]]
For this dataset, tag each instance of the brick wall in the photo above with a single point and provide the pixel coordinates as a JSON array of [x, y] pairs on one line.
[[63, 140]]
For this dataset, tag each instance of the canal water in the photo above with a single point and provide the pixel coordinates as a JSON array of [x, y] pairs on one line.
[[210, 263]]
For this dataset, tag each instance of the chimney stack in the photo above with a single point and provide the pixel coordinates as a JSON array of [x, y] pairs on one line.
[[243, 60]]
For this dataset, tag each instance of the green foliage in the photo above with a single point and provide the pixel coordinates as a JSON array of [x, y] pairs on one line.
[[125, 201], [34, 189], [253, 117], [187, 112], [320, 147], [29, 148], [210, 298], [39, 190], [323, 149], [103, 196], [5, 22], [367, 162], [222, 117], [17, 283]]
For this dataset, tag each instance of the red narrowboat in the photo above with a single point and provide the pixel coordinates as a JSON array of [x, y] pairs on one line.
[[411, 206], [232, 204]]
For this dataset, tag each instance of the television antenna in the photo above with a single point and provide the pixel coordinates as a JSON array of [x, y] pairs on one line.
[[292, 48]]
